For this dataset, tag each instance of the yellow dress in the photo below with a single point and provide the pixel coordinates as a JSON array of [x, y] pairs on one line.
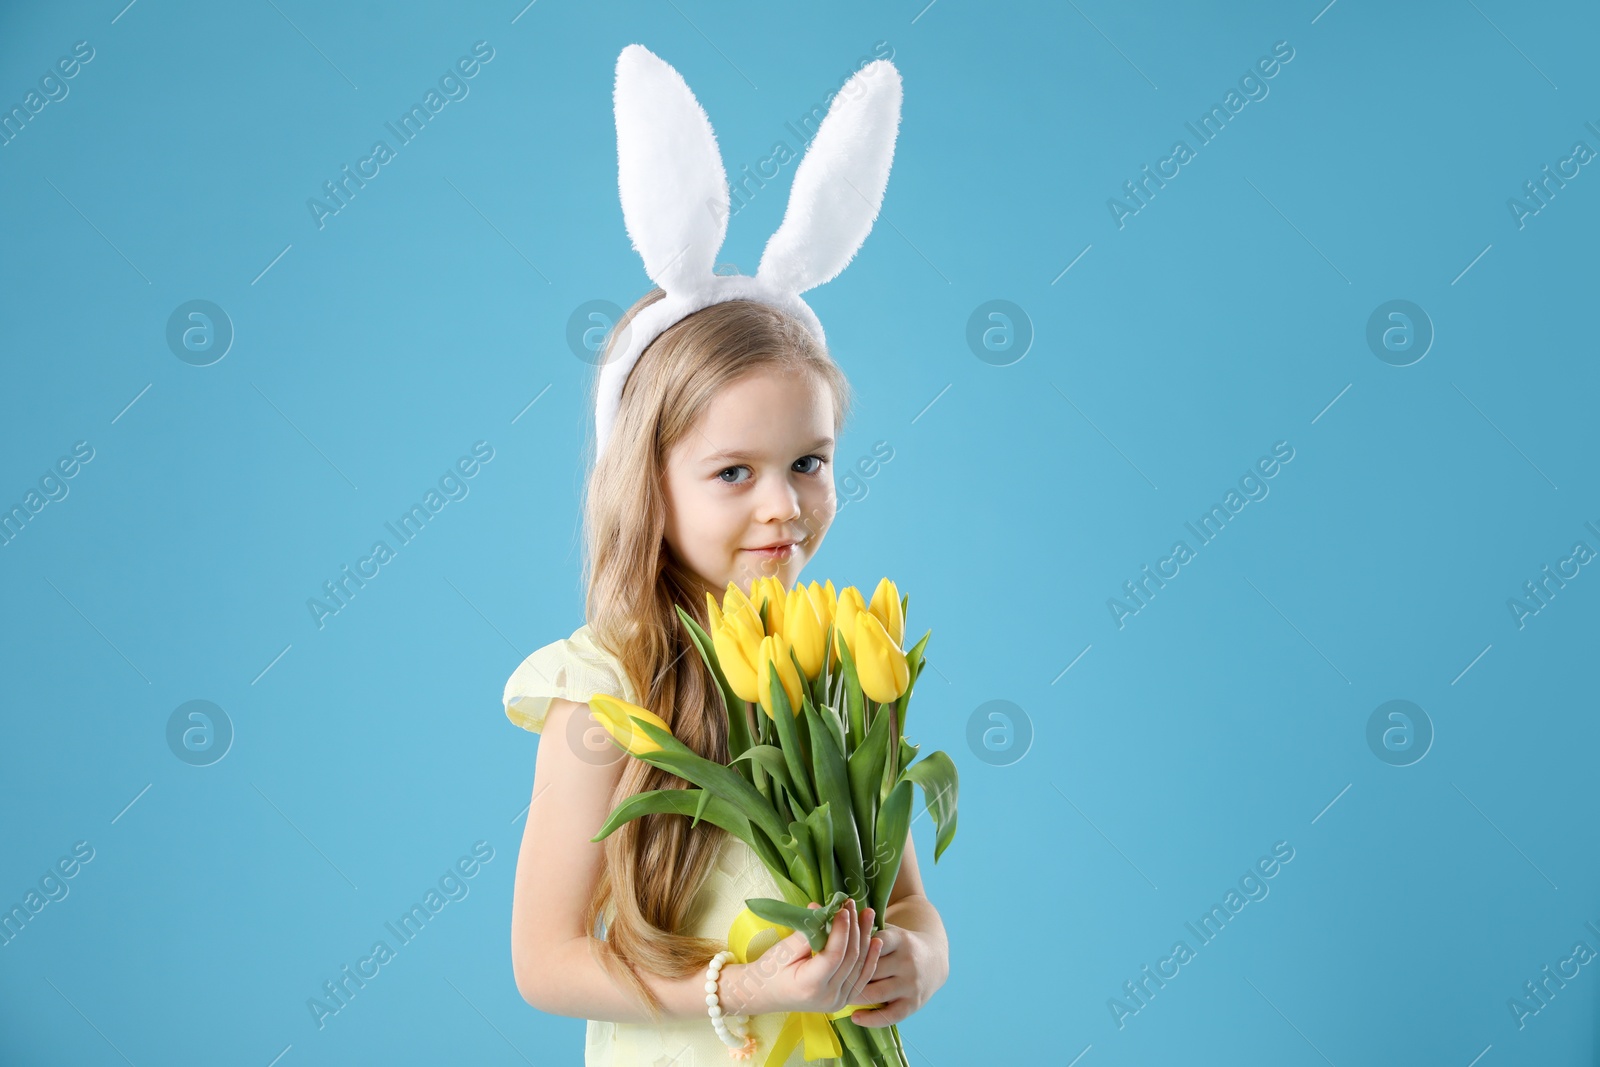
[[576, 668]]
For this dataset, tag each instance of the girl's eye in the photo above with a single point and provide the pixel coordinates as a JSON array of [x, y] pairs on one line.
[[741, 467]]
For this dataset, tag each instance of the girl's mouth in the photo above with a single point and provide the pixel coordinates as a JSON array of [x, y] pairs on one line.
[[781, 552]]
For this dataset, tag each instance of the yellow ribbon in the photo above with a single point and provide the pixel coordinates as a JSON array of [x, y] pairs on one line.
[[750, 936]]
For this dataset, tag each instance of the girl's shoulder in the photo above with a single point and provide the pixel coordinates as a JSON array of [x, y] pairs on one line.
[[573, 668]]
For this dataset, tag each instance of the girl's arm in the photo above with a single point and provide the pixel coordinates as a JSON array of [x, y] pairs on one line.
[[915, 960], [909, 906], [557, 871]]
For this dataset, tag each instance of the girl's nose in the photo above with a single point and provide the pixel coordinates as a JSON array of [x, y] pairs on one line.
[[778, 503]]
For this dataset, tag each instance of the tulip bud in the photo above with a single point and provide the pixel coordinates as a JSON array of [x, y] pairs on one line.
[[774, 653], [886, 606], [713, 614], [880, 664], [849, 606], [737, 646], [769, 592], [804, 630], [617, 717], [735, 602], [823, 600]]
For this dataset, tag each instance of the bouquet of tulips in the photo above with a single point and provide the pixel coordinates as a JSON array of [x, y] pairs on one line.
[[819, 783]]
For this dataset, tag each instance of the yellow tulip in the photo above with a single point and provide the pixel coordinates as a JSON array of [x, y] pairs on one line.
[[780, 599], [713, 614], [775, 651], [880, 664], [770, 591], [805, 630], [738, 647], [849, 606], [617, 717], [735, 602], [886, 606], [823, 601]]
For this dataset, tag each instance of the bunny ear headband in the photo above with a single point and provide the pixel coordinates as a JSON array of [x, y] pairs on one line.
[[675, 203]]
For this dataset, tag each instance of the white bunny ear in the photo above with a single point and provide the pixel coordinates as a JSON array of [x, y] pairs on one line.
[[839, 185], [669, 172]]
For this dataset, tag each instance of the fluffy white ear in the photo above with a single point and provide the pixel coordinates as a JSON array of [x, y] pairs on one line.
[[670, 175], [839, 185]]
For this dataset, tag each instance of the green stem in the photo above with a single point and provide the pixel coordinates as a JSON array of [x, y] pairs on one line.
[[858, 1050], [885, 1050], [758, 774], [899, 1047]]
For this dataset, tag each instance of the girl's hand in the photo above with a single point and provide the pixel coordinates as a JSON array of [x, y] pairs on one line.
[[787, 977], [907, 974]]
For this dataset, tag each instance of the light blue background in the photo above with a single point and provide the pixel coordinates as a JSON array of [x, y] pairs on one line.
[[1230, 313]]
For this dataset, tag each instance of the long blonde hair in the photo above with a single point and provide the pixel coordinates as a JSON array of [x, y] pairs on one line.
[[654, 865]]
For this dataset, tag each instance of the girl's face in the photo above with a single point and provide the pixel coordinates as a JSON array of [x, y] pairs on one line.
[[757, 470]]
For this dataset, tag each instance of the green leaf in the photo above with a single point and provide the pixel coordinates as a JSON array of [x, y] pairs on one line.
[[773, 859], [937, 777], [727, 783], [828, 676], [889, 843], [855, 699], [700, 809], [784, 803], [866, 771], [770, 758], [820, 825], [802, 860], [915, 661], [833, 724], [718, 813], [891, 764], [693, 802], [833, 787], [783, 718], [813, 922]]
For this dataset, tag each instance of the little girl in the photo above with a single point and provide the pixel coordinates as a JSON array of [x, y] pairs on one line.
[[717, 411]]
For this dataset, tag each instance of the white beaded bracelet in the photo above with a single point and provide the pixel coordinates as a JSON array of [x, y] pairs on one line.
[[741, 1044]]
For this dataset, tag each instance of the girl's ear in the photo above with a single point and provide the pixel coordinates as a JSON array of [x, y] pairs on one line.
[[839, 185], [673, 185]]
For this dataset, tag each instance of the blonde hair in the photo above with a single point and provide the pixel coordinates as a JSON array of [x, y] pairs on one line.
[[654, 865]]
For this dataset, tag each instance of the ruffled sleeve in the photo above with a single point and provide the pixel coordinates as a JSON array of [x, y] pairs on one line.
[[574, 668]]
